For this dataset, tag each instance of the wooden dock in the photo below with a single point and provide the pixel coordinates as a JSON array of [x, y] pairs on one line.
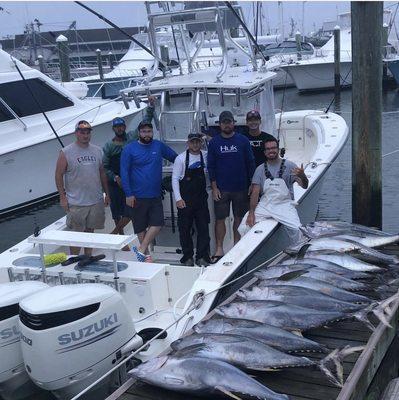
[[366, 374]]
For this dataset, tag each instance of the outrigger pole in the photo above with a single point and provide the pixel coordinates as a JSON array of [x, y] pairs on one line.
[[106, 20]]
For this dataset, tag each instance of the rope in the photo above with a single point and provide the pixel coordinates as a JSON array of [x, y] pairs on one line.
[[333, 99], [282, 107]]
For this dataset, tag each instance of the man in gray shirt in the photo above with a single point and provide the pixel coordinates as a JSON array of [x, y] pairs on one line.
[[273, 182], [81, 181]]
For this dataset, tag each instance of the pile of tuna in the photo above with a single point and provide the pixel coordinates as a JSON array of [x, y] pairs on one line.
[[262, 328]]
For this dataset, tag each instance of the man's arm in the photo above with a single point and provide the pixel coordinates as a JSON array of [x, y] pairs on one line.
[[60, 170], [250, 160], [211, 166], [104, 184], [253, 202], [300, 177], [178, 170], [107, 162], [168, 153]]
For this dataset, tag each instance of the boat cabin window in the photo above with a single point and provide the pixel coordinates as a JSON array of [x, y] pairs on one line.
[[17, 96], [5, 115]]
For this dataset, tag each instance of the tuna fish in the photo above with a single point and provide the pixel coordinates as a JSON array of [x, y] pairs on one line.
[[238, 350], [321, 275], [345, 261], [299, 296], [285, 316], [331, 266], [319, 286], [278, 338], [202, 377]]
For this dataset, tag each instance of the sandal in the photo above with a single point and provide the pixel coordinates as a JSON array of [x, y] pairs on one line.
[[215, 259], [91, 259]]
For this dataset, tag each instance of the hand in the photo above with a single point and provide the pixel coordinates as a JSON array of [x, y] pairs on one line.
[[299, 172], [107, 201], [181, 204], [131, 201], [118, 180], [151, 101], [250, 219], [216, 194], [64, 202]]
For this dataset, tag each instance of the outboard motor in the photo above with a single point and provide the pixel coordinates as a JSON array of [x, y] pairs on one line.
[[14, 381], [73, 334]]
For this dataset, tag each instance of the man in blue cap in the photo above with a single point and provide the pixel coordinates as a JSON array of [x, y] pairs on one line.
[[111, 161]]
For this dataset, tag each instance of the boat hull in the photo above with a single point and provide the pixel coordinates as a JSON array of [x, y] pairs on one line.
[[27, 174], [393, 67], [318, 76]]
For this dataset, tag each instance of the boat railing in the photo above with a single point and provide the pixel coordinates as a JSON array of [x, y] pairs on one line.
[[13, 113]]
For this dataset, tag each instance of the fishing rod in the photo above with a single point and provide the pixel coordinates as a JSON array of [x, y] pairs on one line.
[[335, 95], [254, 41], [36, 101], [106, 20]]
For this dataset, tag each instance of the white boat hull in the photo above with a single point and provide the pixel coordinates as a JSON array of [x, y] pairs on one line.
[[318, 76], [27, 174]]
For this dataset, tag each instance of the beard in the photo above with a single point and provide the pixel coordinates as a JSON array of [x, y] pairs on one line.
[[145, 140]]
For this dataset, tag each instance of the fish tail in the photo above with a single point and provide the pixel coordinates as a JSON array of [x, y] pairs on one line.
[[361, 316], [383, 309], [332, 367]]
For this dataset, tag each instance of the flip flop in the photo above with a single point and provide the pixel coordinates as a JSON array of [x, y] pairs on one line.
[[74, 259], [91, 259], [215, 259]]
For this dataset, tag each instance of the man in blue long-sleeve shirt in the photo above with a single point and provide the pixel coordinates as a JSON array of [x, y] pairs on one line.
[[231, 165], [141, 173]]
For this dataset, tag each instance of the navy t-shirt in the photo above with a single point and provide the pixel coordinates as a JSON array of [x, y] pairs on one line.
[[231, 162]]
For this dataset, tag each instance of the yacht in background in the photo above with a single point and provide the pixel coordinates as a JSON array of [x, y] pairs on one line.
[[28, 146]]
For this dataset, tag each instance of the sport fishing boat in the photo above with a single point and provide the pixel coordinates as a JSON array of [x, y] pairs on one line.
[[85, 325], [29, 148]]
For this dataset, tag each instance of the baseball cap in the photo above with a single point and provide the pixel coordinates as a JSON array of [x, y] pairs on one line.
[[253, 114], [83, 125], [143, 124], [194, 136], [226, 116], [118, 121]]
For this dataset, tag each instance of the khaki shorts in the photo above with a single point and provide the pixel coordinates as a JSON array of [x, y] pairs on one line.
[[80, 218]]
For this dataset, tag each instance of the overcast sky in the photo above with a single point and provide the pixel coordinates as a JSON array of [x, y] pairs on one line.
[[58, 15]]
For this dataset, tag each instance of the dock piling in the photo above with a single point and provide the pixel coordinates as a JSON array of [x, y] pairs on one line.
[[41, 63], [63, 55], [337, 60], [366, 112]]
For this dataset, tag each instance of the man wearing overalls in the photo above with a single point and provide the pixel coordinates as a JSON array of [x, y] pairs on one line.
[[189, 187], [274, 181]]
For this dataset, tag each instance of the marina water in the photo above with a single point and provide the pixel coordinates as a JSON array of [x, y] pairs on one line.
[[335, 200]]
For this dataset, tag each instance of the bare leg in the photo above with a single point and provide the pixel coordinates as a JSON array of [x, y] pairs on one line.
[[87, 250], [149, 236], [220, 233], [236, 224], [119, 225]]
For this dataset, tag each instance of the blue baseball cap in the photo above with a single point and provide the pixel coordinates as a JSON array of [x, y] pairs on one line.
[[118, 122]]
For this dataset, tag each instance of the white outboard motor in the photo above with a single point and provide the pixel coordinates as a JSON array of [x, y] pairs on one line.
[[14, 381], [73, 334]]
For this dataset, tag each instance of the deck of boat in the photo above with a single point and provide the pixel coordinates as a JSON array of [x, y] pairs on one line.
[[366, 373]]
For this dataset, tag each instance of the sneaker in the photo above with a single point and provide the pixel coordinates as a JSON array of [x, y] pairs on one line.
[[140, 256], [203, 261], [189, 262], [148, 259]]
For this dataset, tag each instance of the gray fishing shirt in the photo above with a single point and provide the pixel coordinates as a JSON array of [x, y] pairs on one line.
[[259, 177], [82, 177]]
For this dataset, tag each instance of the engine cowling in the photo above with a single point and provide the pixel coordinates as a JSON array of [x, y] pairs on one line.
[[14, 381], [71, 335]]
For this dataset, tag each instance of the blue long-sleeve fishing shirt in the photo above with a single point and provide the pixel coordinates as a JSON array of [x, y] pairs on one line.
[[141, 168], [231, 162]]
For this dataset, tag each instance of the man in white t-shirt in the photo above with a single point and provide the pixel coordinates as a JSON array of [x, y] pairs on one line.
[[189, 184]]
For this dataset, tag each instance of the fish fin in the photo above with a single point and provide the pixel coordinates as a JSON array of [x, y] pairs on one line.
[[336, 357], [227, 392], [302, 251], [361, 316], [296, 332], [292, 275]]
